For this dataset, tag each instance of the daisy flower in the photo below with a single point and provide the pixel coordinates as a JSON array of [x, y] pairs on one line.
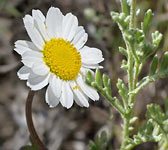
[[57, 57]]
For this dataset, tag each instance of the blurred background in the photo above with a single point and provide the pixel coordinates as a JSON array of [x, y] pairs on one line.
[[72, 129]]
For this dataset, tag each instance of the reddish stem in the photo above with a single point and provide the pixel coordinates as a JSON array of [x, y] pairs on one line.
[[33, 134]]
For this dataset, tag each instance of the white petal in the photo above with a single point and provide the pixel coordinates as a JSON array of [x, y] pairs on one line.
[[50, 97], [91, 55], [38, 14], [67, 95], [89, 91], [79, 97], [91, 66], [79, 33], [23, 73], [21, 46], [40, 68], [28, 18], [77, 101], [70, 24], [39, 23], [33, 33], [31, 57], [54, 21], [36, 82], [80, 38], [56, 85]]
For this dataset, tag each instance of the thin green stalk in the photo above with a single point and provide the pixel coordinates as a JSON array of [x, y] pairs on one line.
[[130, 70], [135, 78], [136, 73], [126, 131], [124, 6], [132, 14], [131, 80], [114, 101]]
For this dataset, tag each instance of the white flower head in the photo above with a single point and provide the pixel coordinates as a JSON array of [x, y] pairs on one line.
[[57, 57]]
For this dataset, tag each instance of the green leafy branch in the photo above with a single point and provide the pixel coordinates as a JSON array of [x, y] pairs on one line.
[[145, 134], [159, 119], [155, 129], [100, 142], [103, 85], [154, 74], [138, 50]]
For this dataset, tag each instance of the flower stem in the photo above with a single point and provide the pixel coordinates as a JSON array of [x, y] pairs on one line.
[[33, 134]]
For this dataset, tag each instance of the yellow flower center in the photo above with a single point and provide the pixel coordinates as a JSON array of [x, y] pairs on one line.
[[62, 58]]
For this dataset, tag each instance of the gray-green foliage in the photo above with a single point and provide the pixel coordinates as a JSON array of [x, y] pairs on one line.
[[100, 142], [159, 120], [138, 50], [155, 129]]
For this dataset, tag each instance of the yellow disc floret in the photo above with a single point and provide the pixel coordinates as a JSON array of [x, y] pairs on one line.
[[62, 58]]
